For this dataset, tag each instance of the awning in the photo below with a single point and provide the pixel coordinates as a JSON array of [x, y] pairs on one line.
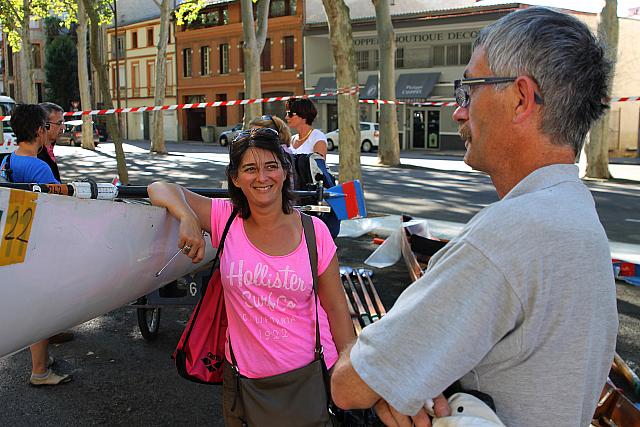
[[326, 84], [370, 90], [419, 85]]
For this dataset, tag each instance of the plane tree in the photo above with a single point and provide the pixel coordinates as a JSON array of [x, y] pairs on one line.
[[389, 147], [99, 13], [597, 147], [157, 128], [83, 77], [341, 39]]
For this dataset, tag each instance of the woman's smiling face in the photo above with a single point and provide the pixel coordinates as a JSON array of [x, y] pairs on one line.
[[261, 177]]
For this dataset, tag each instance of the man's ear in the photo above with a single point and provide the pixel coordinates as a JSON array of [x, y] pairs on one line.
[[528, 98]]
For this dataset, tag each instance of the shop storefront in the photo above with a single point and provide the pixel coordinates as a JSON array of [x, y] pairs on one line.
[[428, 59]]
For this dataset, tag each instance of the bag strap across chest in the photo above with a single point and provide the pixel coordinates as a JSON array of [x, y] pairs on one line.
[[6, 167], [310, 239]]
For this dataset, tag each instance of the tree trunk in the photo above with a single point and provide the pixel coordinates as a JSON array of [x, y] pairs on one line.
[[26, 86], [597, 149], [157, 129], [254, 39], [344, 55], [83, 78], [101, 69], [389, 147]]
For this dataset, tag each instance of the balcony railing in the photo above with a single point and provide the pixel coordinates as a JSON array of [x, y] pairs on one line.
[[143, 92]]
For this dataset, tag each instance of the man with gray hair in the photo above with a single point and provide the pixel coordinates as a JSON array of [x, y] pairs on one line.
[[521, 305], [55, 119]]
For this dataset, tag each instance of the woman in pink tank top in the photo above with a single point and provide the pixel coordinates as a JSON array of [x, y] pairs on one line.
[[264, 267]]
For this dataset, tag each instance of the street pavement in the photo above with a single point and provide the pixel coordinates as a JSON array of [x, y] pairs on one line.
[[119, 378]]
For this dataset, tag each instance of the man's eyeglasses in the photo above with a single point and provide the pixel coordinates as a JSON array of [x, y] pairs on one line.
[[58, 123], [257, 133], [462, 88], [291, 114]]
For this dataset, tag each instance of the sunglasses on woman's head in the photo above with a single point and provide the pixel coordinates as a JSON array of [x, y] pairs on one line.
[[269, 118], [257, 133], [291, 114]]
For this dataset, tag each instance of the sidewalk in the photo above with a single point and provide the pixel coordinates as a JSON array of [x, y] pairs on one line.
[[451, 160]]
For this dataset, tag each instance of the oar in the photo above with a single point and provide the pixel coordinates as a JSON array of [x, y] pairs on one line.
[[367, 299], [367, 274], [627, 373], [345, 199], [352, 312], [345, 272]]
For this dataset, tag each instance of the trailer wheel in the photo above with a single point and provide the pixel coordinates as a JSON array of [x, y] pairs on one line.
[[149, 322]]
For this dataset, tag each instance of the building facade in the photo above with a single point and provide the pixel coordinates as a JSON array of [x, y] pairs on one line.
[[433, 45], [11, 69], [131, 57], [211, 64]]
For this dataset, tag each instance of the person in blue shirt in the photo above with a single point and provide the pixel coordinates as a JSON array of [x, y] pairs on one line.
[[30, 125]]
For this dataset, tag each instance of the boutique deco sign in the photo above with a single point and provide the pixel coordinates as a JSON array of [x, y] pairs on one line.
[[433, 37]]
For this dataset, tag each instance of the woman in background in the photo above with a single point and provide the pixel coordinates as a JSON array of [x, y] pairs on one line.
[[300, 116]]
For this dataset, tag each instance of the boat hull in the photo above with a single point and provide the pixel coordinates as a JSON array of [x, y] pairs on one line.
[[64, 261]]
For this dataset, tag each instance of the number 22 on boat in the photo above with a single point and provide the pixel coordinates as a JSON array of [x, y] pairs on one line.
[[18, 217]]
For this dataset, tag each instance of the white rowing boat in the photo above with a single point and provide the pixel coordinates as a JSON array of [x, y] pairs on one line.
[[65, 260]]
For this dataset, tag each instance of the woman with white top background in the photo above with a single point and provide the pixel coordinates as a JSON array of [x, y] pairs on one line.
[[300, 116]]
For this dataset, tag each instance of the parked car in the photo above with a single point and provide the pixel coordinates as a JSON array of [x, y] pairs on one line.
[[369, 134], [229, 135], [7, 104], [72, 134], [10, 141], [9, 136]]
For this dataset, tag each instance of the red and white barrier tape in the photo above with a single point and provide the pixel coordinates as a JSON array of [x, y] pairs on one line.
[[343, 91], [625, 99]]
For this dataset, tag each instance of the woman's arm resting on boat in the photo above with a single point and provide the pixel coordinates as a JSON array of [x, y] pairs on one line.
[[332, 299], [192, 210]]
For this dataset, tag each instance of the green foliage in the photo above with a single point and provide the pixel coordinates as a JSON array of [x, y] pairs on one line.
[[103, 10], [61, 71], [188, 11], [52, 26], [12, 14]]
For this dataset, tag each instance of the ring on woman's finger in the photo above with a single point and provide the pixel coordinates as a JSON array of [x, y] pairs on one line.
[[186, 249]]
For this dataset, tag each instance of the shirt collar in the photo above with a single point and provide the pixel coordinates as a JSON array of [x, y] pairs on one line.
[[545, 177]]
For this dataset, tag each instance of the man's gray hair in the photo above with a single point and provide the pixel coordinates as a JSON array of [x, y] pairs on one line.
[[51, 107], [566, 60]]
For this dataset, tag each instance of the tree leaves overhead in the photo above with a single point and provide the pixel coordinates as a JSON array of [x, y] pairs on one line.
[[188, 11], [12, 14]]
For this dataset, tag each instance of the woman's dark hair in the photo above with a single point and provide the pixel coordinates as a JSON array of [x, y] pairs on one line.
[[304, 108], [25, 121], [266, 139]]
